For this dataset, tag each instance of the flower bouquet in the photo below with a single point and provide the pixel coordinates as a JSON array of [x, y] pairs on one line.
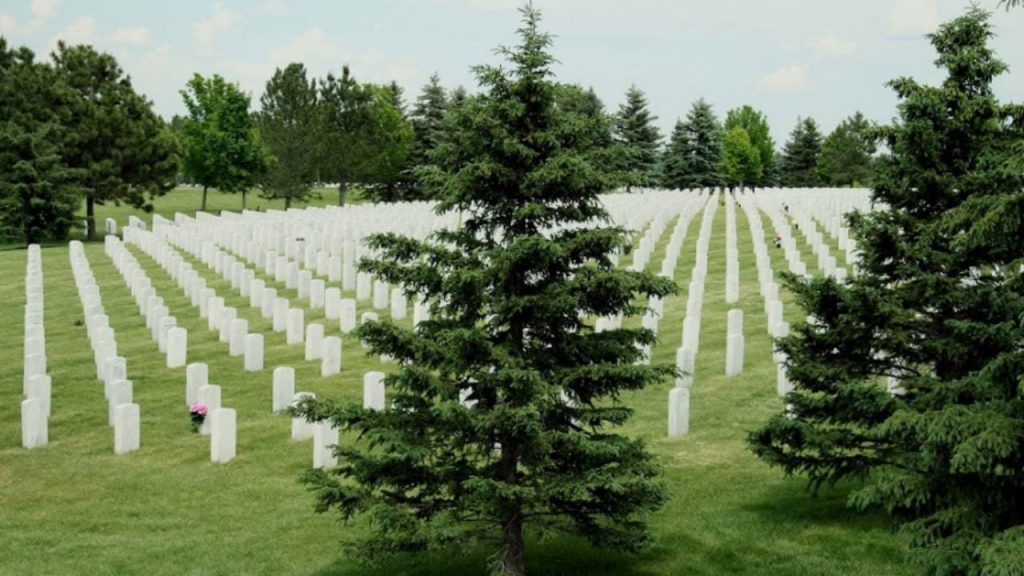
[[196, 415]]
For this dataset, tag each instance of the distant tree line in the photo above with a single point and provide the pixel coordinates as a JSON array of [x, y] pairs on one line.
[[74, 128]]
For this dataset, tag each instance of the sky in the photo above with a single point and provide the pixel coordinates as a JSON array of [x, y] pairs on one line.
[[789, 58]]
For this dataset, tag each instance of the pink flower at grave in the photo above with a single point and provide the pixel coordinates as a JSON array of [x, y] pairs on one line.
[[197, 408]]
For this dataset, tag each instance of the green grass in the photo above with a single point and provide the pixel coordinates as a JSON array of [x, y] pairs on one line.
[[72, 507]]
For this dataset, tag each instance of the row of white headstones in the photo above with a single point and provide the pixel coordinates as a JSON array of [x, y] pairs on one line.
[[299, 261], [36, 384]]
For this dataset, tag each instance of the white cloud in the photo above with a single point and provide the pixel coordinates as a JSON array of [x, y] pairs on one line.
[[320, 53], [7, 25], [912, 17], [206, 31], [494, 5], [271, 9], [81, 31], [135, 36], [43, 10], [792, 78], [831, 45]]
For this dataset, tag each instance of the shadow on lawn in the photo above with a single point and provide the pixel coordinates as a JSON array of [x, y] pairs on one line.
[[558, 557]]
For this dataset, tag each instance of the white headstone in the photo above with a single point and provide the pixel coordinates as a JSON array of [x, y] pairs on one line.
[[40, 387], [223, 427], [34, 425], [301, 429], [280, 323], [296, 326], [208, 396], [314, 341], [373, 391], [239, 330], [120, 393], [347, 315], [332, 303], [284, 387], [254, 352], [177, 345], [330, 360], [325, 438], [196, 374], [127, 428]]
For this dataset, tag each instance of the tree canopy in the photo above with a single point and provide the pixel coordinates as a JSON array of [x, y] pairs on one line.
[[847, 153], [755, 123], [288, 126], [910, 376], [638, 137], [800, 156], [501, 415]]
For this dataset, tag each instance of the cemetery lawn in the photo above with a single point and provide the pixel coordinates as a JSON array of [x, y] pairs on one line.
[[72, 507]]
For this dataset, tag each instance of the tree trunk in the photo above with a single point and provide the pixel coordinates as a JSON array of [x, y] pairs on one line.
[[243, 199], [203, 207], [287, 202], [342, 193], [90, 218], [513, 550]]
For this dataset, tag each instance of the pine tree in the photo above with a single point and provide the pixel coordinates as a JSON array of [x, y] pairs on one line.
[[741, 160], [636, 133], [427, 117], [532, 443], [117, 147], [673, 160], [755, 123], [937, 306], [800, 157], [847, 153], [703, 147], [589, 129], [288, 126]]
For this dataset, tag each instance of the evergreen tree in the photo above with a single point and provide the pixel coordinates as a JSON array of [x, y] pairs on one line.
[[674, 159], [427, 117], [117, 147], [755, 123], [847, 153], [800, 157], [937, 306], [222, 146], [703, 147], [38, 194], [636, 133], [584, 114], [502, 413], [741, 160], [383, 145], [288, 127]]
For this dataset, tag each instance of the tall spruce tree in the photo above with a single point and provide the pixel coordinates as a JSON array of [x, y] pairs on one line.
[[800, 156], [703, 147], [38, 193], [427, 118], [638, 136], [502, 413], [673, 160], [755, 123], [847, 153], [118, 148], [589, 129], [288, 126], [937, 306]]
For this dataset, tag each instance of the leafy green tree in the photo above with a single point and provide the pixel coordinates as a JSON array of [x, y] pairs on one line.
[[222, 148], [703, 147], [344, 120], [502, 412], [755, 123], [116, 145], [673, 160], [800, 157], [847, 153], [382, 145], [288, 126], [937, 305], [741, 160], [638, 136]]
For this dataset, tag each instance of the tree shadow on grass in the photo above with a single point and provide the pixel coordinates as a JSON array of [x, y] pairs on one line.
[[793, 502], [564, 556]]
